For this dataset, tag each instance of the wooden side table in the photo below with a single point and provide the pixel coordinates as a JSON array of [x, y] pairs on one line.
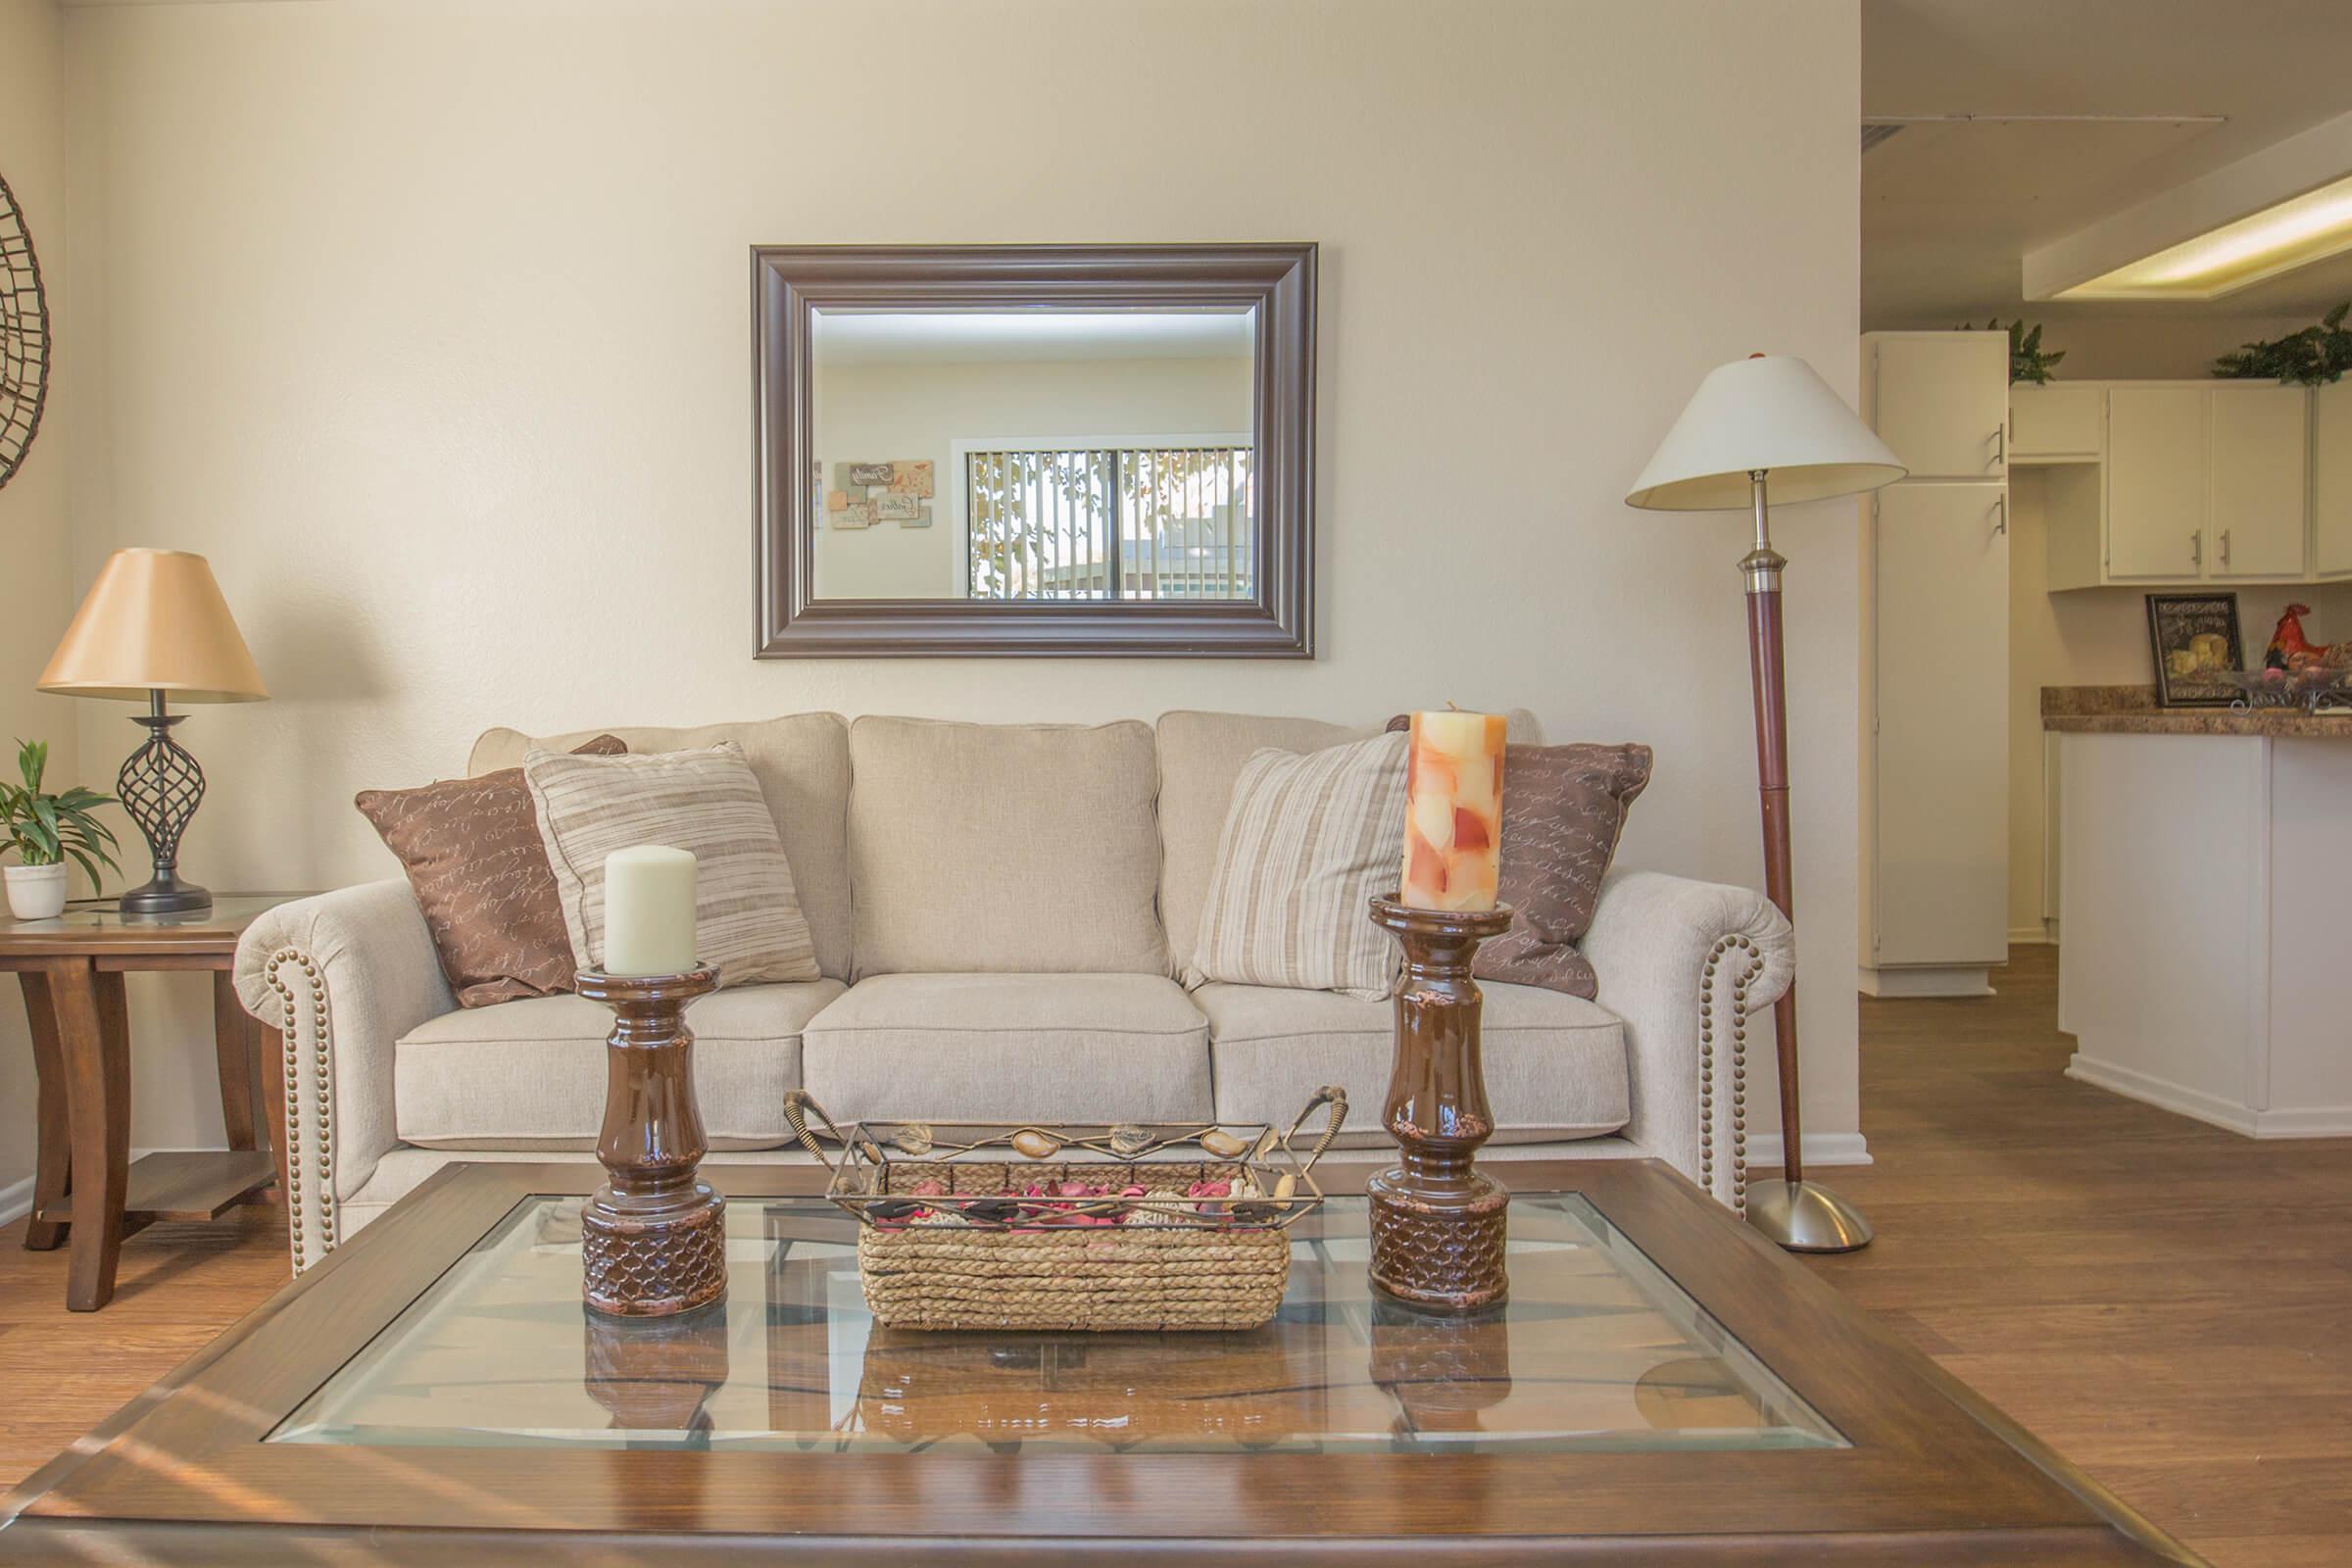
[[85, 1187]]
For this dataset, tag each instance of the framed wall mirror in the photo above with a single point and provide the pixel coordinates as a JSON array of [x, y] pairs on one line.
[[1035, 450]]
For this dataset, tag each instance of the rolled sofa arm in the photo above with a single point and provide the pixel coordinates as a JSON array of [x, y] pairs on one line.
[[340, 977], [1686, 964]]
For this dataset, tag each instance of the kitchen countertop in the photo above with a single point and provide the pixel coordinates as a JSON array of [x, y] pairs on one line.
[[2133, 710]]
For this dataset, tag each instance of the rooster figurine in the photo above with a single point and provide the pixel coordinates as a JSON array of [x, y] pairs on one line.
[[2292, 651]]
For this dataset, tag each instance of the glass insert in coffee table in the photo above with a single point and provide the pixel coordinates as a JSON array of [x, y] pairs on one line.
[[1597, 1350]]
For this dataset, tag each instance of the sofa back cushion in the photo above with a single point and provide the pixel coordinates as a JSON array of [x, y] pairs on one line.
[[802, 766], [1004, 848]]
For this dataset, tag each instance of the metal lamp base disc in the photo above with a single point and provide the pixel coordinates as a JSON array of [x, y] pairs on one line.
[[165, 898], [1806, 1217]]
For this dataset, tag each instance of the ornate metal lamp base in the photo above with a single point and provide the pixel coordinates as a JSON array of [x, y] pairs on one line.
[[159, 787], [1438, 1224], [1806, 1217], [652, 1239]]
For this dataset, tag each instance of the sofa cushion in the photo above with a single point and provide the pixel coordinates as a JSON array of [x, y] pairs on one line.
[[1555, 1064], [994, 848], [530, 1074], [802, 766], [1011, 1047]]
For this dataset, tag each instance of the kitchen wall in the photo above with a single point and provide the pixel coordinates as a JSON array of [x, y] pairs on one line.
[[2139, 343], [429, 323], [37, 579]]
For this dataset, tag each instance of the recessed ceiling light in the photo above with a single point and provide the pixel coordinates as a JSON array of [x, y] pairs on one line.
[[2296, 232]]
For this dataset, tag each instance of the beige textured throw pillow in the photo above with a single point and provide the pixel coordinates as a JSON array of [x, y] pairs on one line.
[[1309, 838], [748, 919]]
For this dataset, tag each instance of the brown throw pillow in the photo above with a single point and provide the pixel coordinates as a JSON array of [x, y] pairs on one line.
[[474, 855], [1563, 810]]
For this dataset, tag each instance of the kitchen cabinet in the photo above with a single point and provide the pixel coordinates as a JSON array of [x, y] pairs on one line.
[[1939, 744], [2332, 480], [2057, 423], [2255, 517], [2157, 468], [1941, 401], [2202, 482]]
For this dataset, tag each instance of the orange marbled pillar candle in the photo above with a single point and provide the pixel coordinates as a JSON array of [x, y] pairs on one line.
[[1453, 811]]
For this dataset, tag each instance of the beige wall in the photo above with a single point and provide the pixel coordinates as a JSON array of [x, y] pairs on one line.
[[2095, 637], [37, 581], [886, 413], [429, 323]]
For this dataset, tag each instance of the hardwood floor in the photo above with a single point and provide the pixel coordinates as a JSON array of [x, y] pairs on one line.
[[2168, 1303]]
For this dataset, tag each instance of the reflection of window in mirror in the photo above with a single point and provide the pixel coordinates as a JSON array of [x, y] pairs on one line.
[[1034, 455]]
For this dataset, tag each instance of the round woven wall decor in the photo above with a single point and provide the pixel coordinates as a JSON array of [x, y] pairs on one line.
[[24, 337]]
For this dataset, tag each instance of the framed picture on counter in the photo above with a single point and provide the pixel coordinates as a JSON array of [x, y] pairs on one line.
[[2193, 636]]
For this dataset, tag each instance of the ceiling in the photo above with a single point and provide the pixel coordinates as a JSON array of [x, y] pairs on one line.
[[1949, 208]]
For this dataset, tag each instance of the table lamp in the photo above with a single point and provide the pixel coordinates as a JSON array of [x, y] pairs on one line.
[[156, 626], [1769, 416]]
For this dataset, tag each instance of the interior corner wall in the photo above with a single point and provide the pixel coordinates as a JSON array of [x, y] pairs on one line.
[[429, 323], [36, 583]]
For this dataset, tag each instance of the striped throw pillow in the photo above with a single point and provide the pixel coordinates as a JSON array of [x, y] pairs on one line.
[[1309, 838], [747, 916]]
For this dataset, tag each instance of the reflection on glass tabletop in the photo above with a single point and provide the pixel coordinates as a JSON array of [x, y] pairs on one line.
[[1597, 1350]]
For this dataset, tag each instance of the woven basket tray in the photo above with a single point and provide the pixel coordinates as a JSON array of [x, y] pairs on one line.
[[955, 1236]]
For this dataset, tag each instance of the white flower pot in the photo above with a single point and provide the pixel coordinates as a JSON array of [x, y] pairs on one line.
[[36, 891]]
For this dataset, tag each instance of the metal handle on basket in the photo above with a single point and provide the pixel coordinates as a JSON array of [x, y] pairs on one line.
[[797, 1104], [1335, 1097]]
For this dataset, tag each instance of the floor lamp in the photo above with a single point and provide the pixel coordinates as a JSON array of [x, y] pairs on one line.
[[1770, 416]]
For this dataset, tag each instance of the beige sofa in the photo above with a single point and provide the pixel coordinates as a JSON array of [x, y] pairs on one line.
[[1000, 913]]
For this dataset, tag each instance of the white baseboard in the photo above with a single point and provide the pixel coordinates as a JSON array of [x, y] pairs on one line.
[[14, 1200], [2036, 935], [1821, 1148], [1937, 980], [2319, 1121]]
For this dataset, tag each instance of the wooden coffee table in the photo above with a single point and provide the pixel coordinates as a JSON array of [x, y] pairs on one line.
[[1662, 1388]]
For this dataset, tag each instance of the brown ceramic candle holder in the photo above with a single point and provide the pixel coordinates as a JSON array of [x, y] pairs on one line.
[[1438, 1223], [652, 1239]]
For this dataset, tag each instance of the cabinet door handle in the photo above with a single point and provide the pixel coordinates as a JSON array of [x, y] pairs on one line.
[[2001, 444], [2224, 546], [2196, 547], [2000, 508]]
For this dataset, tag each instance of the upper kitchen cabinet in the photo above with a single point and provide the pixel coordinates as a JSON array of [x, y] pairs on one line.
[[2332, 480], [1940, 400], [2260, 484], [2202, 482], [2057, 423], [2156, 482]]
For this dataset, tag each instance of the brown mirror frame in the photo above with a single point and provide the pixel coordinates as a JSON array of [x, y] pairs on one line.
[[791, 283]]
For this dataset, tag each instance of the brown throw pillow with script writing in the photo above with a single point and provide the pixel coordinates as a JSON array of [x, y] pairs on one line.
[[1563, 811], [474, 855]]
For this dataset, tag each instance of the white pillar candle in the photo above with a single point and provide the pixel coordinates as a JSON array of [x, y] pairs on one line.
[[1452, 812], [649, 910]]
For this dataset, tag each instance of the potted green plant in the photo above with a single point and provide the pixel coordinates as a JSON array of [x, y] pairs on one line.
[[45, 830]]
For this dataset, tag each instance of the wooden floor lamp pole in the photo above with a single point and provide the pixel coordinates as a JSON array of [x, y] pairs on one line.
[[1800, 1215]]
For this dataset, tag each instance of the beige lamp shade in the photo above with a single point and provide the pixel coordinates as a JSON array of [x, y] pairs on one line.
[[155, 621], [1768, 411]]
